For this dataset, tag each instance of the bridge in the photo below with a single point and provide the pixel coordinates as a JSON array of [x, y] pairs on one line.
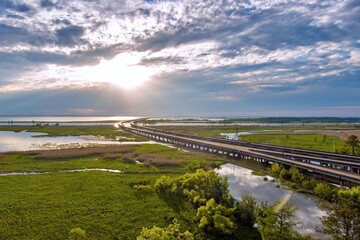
[[337, 166]]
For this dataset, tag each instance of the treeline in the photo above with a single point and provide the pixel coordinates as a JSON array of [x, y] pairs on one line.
[[264, 120], [285, 120]]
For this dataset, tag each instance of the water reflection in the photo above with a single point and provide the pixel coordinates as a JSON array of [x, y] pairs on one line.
[[241, 182], [62, 119], [63, 171], [25, 141]]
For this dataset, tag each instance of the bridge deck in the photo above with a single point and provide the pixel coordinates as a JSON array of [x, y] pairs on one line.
[[268, 155]]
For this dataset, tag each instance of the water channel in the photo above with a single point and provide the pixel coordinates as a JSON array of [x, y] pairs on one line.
[[242, 181]]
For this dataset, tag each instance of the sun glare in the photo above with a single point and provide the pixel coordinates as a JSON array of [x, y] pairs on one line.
[[123, 71]]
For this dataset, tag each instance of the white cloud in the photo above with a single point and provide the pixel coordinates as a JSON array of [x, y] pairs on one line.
[[187, 35]]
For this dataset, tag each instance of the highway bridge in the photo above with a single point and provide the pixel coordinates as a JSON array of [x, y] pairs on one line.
[[343, 168]]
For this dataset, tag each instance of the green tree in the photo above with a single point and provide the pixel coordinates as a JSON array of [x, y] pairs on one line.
[[324, 190], [245, 211], [215, 218], [171, 232], [274, 222], [198, 187], [353, 142], [343, 219]]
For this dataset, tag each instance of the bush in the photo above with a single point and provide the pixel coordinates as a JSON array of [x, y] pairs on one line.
[[324, 191], [77, 234], [309, 184], [172, 232], [284, 174], [275, 169], [296, 176], [163, 184]]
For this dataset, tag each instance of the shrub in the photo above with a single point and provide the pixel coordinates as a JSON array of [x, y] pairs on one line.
[[284, 174], [275, 169], [324, 191], [172, 232], [309, 184], [296, 176], [77, 234]]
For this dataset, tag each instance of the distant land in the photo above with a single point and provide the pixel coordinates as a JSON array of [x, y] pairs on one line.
[[263, 120]]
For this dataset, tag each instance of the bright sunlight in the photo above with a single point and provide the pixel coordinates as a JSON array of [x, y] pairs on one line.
[[123, 70]]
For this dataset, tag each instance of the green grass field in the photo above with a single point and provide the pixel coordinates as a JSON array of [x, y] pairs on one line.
[[283, 136], [215, 131], [104, 204], [305, 141]]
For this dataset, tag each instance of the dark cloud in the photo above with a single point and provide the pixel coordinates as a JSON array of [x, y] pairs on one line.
[[10, 35], [47, 4], [15, 16], [160, 60], [68, 36], [10, 5], [66, 22]]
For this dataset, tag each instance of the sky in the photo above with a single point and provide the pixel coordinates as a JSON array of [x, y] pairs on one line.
[[180, 57]]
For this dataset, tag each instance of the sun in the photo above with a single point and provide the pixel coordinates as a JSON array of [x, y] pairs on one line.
[[124, 71]]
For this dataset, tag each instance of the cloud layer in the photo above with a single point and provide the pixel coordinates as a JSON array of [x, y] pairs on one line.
[[219, 51]]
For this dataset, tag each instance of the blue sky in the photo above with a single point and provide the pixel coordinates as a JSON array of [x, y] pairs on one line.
[[189, 58]]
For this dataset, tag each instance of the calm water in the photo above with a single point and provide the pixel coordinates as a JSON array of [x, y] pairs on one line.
[[63, 120], [235, 136], [241, 182], [25, 141], [64, 171]]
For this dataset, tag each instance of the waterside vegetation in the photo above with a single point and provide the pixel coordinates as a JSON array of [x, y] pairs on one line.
[[155, 192]]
